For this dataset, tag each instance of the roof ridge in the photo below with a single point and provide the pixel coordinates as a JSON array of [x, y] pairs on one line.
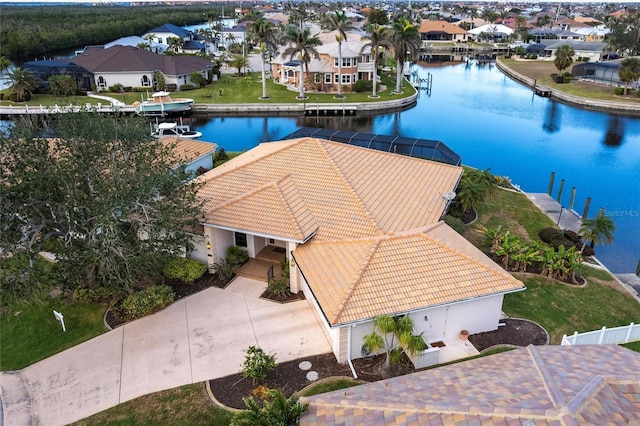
[[352, 289], [348, 184], [545, 376], [447, 247], [586, 395], [273, 183], [292, 216]]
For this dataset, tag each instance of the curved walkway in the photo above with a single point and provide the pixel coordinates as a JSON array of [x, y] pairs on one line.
[[197, 338]]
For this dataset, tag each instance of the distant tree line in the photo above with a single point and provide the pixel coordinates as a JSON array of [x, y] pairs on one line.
[[27, 33]]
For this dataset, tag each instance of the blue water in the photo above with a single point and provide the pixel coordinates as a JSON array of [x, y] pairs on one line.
[[492, 121]]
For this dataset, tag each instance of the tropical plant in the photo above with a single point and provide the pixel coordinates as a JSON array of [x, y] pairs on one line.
[[598, 230], [175, 44], [339, 22], [159, 80], [62, 85], [302, 46], [23, 83], [257, 364], [395, 336], [265, 32], [278, 287], [239, 62], [277, 410], [5, 65], [197, 78], [629, 71], [405, 39], [564, 57], [509, 246], [378, 37]]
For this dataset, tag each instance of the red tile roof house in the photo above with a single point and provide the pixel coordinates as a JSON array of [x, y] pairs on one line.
[[536, 385], [133, 67], [439, 31], [362, 232]]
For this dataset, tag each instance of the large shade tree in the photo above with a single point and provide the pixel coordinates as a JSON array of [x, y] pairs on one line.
[[104, 196], [405, 38], [265, 32], [302, 46], [624, 35], [378, 37], [340, 23]]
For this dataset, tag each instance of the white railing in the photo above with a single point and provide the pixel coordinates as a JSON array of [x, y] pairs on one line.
[[604, 336]]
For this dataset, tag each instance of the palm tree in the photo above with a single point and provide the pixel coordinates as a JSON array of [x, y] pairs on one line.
[[23, 83], [598, 230], [238, 62], [406, 40], [470, 195], [630, 71], [303, 45], [175, 44], [339, 22], [265, 32], [378, 37], [5, 65], [277, 410], [395, 336], [564, 57]]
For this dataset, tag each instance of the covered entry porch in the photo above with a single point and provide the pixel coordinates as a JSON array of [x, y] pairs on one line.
[[265, 263]]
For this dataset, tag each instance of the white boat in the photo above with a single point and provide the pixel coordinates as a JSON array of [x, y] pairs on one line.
[[161, 103], [175, 130]]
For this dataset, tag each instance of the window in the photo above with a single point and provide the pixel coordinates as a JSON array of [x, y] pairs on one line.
[[241, 239], [160, 40], [327, 78], [146, 82]]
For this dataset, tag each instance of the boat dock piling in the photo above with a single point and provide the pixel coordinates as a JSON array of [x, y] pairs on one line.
[[587, 203]]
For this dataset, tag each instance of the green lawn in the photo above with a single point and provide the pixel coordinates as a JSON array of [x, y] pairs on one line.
[[31, 333], [186, 405], [564, 309], [330, 385], [634, 346], [230, 89]]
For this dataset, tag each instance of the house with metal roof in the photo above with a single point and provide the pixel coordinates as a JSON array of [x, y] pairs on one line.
[[164, 32], [361, 230], [135, 67], [536, 385]]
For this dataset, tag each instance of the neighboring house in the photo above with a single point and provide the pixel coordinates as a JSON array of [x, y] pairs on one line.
[[362, 233], [164, 32], [133, 67], [541, 35], [495, 32], [536, 385], [135, 41], [193, 47], [582, 49], [441, 31], [191, 154], [322, 72]]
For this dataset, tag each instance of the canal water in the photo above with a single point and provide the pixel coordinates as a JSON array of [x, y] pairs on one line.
[[492, 121]]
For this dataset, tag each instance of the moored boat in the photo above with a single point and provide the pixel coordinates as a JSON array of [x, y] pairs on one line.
[[176, 130], [161, 103]]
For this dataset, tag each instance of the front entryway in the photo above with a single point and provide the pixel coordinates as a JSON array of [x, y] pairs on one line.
[[258, 268]]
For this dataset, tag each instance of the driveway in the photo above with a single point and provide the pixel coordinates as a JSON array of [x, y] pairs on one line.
[[201, 337]]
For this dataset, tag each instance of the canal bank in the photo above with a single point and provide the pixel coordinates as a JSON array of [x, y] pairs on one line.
[[613, 107]]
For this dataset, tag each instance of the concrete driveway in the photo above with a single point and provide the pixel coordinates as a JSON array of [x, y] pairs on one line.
[[201, 337]]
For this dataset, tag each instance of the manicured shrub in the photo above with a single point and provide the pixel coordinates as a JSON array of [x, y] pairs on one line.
[[454, 223], [146, 302], [116, 88], [187, 87], [237, 256], [257, 364], [284, 267], [550, 235], [183, 269], [278, 287], [224, 269], [363, 86], [140, 89], [619, 91], [572, 236], [221, 156]]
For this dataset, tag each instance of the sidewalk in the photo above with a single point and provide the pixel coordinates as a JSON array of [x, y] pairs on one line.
[[198, 338]]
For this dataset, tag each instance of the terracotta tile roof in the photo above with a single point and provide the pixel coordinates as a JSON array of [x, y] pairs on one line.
[[188, 150], [548, 385], [361, 279], [294, 220], [440, 26], [351, 192]]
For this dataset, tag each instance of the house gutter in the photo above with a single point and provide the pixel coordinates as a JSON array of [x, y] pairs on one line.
[[254, 233]]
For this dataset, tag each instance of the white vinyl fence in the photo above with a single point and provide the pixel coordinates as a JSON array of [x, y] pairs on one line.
[[604, 336]]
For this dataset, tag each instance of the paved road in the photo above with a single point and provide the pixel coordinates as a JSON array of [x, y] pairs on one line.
[[201, 337]]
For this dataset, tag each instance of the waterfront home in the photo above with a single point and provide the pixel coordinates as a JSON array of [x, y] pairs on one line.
[[361, 232], [164, 32], [583, 49], [431, 31], [322, 71], [133, 67]]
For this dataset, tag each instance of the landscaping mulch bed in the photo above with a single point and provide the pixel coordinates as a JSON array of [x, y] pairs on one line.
[[289, 378]]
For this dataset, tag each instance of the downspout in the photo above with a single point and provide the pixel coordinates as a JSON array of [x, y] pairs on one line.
[[353, 370]]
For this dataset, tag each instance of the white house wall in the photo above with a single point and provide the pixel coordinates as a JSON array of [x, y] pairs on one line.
[[132, 79], [199, 250], [223, 240], [205, 161]]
